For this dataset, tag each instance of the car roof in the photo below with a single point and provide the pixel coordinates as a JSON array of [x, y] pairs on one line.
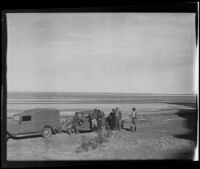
[[38, 110], [85, 111]]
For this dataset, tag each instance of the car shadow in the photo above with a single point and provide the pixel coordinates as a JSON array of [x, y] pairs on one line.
[[126, 129], [85, 131]]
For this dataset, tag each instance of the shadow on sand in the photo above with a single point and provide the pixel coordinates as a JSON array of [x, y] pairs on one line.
[[191, 123], [23, 137], [37, 135], [189, 104], [190, 116]]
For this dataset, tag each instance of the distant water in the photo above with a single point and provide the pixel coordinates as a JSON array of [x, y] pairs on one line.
[[68, 103], [107, 98]]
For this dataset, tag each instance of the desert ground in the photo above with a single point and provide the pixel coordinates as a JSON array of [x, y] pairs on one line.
[[164, 131]]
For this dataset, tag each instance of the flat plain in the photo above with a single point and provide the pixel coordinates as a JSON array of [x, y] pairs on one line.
[[166, 127]]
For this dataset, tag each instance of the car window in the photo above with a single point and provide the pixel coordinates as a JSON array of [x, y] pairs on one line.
[[26, 118], [79, 115], [86, 115]]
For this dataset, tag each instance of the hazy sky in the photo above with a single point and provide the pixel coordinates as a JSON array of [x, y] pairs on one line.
[[101, 52]]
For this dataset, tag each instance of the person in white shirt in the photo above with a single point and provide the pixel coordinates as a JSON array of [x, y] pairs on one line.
[[134, 119]]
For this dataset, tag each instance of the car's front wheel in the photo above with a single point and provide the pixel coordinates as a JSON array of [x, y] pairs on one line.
[[46, 132]]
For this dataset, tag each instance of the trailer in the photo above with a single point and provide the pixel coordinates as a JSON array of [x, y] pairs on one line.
[[42, 121]]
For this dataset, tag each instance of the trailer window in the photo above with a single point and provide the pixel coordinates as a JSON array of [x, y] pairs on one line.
[[26, 118], [16, 117]]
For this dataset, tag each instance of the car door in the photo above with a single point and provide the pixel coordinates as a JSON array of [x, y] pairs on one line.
[[127, 123], [85, 125], [27, 124]]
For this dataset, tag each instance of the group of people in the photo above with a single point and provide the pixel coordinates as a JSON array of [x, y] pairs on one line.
[[114, 119], [98, 120]]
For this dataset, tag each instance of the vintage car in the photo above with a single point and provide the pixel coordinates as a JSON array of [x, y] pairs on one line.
[[34, 121], [126, 123], [85, 121], [67, 125]]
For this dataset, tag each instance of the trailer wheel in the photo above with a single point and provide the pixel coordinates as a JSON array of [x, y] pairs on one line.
[[47, 132]]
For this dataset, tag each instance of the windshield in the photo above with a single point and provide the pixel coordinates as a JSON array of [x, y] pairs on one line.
[[16, 117]]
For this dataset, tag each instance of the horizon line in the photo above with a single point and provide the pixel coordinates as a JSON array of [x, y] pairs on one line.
[[102, 92]]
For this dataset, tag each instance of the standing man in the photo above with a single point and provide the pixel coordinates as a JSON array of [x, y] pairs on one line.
[[100, 125], [112, 119], [100, 119], [134, 119], [118, 117], [94, 120], [76, 122]]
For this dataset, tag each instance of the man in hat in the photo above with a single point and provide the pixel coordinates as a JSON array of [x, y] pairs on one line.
[[118, 117], [134, 118]]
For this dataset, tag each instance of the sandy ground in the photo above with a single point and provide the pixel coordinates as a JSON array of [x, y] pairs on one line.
[[167, 134]]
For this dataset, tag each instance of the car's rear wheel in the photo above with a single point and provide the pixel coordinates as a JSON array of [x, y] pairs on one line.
[[46, 132]]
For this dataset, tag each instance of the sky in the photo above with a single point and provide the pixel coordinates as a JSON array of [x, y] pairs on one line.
[[101, 52]]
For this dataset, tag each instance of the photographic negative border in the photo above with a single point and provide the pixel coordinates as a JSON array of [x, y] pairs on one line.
[[91, 8]]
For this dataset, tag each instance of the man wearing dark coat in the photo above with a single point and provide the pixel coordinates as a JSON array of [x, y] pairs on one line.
[[76, 122], [112, 119], [118, 117]]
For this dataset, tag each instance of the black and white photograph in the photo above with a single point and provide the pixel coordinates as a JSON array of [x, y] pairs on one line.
[[101, 86]]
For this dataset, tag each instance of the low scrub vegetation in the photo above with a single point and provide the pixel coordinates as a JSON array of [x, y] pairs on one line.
[[88, 143]]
